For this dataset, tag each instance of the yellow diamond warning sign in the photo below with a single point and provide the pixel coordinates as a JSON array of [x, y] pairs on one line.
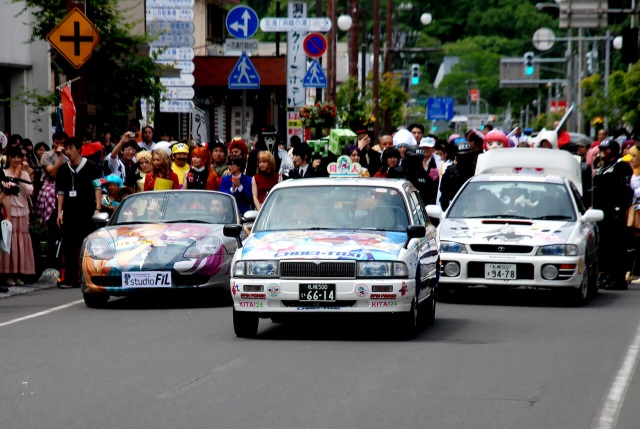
[[74, 37]]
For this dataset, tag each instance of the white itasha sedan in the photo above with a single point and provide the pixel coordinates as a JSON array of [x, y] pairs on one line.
[[336, 245], [520, 222]]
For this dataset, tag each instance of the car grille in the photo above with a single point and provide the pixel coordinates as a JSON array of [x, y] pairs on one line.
[[500, 248], [523, 271], [318, 270], [176, 279]]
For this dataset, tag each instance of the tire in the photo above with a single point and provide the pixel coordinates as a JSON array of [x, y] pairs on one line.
[[592, 269], [444, 292], [580, 296], [409, 322], [427, 311], [95, 300], [245, 324]]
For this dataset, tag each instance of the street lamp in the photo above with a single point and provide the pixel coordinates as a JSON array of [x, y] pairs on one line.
[[426, 18], [344, 22]]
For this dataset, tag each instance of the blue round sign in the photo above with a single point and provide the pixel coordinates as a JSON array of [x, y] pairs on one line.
[[242, 22], [314, 45]]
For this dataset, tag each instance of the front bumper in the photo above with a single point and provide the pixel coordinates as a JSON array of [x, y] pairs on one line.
[[528, 270], [352, 296]]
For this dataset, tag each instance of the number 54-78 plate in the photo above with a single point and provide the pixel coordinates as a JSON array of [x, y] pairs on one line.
[[500, 271]]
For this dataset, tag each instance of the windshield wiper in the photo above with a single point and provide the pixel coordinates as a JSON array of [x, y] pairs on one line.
[[186, 221], [553, 217], [133, 222]]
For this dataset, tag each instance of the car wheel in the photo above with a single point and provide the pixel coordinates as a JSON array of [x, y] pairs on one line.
[[579, 296], [409, 322], [95, 300], [592, 269], [245, 324]]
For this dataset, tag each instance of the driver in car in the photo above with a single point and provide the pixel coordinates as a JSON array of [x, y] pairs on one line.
[[218, 209]]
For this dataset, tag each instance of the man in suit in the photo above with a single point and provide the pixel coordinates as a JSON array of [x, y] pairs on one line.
[[302, 169]]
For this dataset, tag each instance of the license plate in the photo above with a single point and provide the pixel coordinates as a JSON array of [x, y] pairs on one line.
[[146, 279], [317, 292], [500, 271]]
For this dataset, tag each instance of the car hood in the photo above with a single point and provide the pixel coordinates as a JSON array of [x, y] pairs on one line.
[[532, 233], [325, 244], [160, 246]]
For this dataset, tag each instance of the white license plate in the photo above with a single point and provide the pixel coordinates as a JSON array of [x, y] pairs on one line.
[[500, 271], [146, 279]]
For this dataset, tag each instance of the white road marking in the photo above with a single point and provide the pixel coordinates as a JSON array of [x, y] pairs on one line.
[[41, 313], [615, 398]]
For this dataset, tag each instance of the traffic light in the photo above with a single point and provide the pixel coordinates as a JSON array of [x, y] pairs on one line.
[[415, 74], [528, 63], [589, 63]]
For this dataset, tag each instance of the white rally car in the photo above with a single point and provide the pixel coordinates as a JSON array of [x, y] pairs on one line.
[[520, 221], [336, 245]]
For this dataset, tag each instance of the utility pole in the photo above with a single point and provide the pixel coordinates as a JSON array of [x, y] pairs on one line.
[[331, 51], [354, 11], [387, 58], [79, 87], [376, 66]]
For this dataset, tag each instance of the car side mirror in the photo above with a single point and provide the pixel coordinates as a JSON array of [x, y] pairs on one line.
[[233, 231], [250, 216], [415, 231], [592, 215], [435, 211], [100, 218]]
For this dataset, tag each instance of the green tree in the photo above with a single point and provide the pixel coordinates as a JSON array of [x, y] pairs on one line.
[[117, 74]]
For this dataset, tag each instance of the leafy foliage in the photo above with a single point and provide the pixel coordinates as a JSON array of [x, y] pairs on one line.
[[117, 73]]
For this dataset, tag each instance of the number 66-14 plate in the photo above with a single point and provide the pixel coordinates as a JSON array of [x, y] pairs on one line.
[[318, 292]]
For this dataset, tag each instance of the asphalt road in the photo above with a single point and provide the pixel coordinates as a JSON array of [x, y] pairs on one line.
[[519, 359]]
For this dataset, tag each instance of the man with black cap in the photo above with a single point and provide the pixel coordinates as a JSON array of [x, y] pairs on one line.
[[612, 194], [423, 171], [268, 140], [219, 157], [458, 173]]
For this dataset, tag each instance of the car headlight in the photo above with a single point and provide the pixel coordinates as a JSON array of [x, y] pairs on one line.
[[98, 248], [382, 269], [256, 269], [452, 247], [203, 248], [558, 250]]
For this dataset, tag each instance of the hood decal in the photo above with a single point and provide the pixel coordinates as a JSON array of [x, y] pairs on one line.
[[476, 231], [339, 244]]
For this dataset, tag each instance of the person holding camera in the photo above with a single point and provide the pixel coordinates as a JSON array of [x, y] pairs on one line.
[[15, 201], [124, 167]]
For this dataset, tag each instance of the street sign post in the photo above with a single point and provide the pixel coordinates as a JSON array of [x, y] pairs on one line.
[[171, 27], [179, 93], [178, 54], [242, 22], [315, 45], [440, 108], [274, 25], [241, 45], [244, 75], [176, 106], [74, 37], [315, 77], [177, 40], [180, 15]]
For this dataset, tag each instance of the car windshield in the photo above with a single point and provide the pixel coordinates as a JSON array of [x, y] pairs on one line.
[[333, 207], [176, 206], [519, 200]]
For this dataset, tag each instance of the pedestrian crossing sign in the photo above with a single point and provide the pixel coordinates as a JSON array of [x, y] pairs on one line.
[[315, 77], [244, 75]]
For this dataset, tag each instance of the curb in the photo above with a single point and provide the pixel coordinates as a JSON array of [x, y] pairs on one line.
[[47, 280]]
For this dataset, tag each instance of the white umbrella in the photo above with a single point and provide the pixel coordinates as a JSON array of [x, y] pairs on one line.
[[7, 229]]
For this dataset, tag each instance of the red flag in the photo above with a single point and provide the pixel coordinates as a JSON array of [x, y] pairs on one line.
[[68, 111]]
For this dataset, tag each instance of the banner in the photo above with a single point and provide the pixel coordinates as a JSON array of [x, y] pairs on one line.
[[199, 126], [68, 111]]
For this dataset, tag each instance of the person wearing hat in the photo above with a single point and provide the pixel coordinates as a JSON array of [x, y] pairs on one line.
[[180, 164], [547, 139], [237, 147], [455, 175], [423, 171], [219, 158], [125, 167], [495, 139], [110, 199], [403, 140], [612, 194]]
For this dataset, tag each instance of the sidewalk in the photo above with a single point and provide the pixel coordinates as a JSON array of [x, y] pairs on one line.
[[47, 280]]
